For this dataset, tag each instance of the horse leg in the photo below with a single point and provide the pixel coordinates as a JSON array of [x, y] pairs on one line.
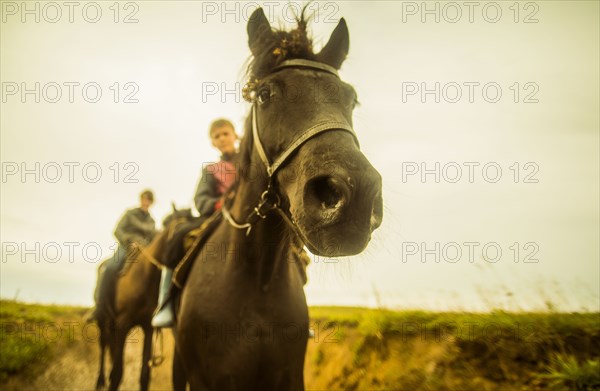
[[118, 345], [102, 341], [147, 352], [179, 377]]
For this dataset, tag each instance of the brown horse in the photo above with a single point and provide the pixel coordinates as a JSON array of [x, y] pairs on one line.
[[133, 303], [242, 315]]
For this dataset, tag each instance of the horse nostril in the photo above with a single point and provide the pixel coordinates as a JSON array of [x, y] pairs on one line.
[[327, 191]]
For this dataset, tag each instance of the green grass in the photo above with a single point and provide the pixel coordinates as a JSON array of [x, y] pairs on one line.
[[29, 332], [566, 372], [532, 326]]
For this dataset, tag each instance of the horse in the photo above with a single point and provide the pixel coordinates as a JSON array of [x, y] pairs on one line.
[[133, 303], [242, 317]]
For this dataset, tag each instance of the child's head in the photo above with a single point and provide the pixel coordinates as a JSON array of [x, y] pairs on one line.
[[146, 199], [222, 135]]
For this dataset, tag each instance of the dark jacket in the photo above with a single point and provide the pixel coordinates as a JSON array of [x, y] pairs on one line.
[[135, 226], [215, 180]]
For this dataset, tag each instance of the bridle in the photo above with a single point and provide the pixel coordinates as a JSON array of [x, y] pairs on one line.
[[269, 199]]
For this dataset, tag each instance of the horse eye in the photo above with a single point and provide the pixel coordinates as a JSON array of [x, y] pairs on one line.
[[263, 95]]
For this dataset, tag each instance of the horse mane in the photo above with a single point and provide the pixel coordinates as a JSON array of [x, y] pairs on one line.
[[177, 213], [277, 45], [272, 48]]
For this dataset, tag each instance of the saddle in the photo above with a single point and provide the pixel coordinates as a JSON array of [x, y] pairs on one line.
[[130, 259], [192, 243]]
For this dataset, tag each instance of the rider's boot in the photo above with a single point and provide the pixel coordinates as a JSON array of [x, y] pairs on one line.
[[164, 316]]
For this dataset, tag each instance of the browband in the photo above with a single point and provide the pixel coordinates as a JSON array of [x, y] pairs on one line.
[[301, 63]]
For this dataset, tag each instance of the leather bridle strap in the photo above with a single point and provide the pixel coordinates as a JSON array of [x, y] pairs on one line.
[[305, 136], [150, 258], [301, 63], [308, 133]]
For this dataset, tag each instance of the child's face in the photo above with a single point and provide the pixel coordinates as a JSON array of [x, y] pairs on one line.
[[145, 203], [223, 139]]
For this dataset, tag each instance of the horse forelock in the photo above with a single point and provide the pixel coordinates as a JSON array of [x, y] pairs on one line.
[[275, 47], [278, 45]]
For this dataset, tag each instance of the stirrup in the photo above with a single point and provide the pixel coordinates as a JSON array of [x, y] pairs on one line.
[[157, 358]]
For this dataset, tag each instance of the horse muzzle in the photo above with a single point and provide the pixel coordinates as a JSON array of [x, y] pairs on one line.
[[339, 209]]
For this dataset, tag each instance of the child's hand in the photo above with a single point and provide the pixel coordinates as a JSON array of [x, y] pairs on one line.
[[218, 204]]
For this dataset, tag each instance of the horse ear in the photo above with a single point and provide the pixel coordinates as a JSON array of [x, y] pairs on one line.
[[259, 31], [173, 206], [336, 50]]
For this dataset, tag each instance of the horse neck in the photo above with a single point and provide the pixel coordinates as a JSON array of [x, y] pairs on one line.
[[154, 249], [267, 247]]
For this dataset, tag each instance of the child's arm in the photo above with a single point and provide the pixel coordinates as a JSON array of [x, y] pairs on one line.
[[206, 194], [123, 232], [120, 230]]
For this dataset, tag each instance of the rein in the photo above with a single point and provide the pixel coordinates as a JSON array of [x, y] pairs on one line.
[[149, 257], [269, 199]]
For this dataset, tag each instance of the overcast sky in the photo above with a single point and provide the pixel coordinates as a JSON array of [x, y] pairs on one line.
[[511, 149]]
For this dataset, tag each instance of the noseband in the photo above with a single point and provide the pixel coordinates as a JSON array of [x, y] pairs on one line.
[[270, 199]]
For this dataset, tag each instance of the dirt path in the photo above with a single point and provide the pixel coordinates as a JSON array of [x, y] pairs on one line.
[[77, 368]]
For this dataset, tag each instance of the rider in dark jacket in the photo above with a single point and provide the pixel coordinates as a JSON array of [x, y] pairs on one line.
[[135, 228], [215, 181]]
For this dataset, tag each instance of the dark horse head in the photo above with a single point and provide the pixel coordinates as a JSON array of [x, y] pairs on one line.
[[302, 114], [176, 216]]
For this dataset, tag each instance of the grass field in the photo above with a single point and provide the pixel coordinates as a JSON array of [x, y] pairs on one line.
[[31, 333], [416, 350], [367, 349]]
